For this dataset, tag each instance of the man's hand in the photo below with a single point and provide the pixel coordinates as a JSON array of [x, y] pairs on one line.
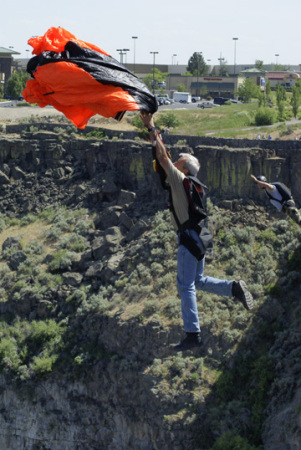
[[262, 184], [147, 119]]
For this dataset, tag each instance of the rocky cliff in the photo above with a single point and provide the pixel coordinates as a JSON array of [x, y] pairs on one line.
[[134, 393]]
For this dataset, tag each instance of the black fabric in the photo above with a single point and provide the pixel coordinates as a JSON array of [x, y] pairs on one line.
[[197, 216], [196, 205], [103, 68], [197, 249], [284, 192], [196, 200]]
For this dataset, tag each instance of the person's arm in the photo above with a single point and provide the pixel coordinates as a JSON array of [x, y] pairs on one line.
[[161, 152], [263, 184]]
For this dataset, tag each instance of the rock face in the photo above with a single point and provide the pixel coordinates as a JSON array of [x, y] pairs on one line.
[[112, 405], [91, 173]]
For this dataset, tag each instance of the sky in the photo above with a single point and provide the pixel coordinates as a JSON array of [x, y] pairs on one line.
[[170, 27]]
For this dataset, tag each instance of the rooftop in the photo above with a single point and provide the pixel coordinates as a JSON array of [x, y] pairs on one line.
[[8, 51]]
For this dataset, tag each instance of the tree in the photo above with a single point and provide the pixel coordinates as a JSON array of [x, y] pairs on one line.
[[298, 85], [181, 87], [16, 83], [204, 91], [280, 68], [262, 100], [280, 98], [223, 67], [248, 90], [259, 64], [295, 100], [156, 75], [268, 89], [196, 64], [280, 93], [169, 120]]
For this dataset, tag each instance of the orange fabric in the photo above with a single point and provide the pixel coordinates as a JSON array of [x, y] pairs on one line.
[[70, 89], [55, 40], [59, 85]]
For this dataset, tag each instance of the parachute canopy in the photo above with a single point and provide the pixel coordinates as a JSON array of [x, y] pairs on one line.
[[81, 80]]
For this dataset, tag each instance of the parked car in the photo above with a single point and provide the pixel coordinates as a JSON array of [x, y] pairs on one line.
[[163, 101], [206, 104], [195, 99], [161, 84], [220, 100]]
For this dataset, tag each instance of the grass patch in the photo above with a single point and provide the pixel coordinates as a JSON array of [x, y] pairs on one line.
[[199, 122]]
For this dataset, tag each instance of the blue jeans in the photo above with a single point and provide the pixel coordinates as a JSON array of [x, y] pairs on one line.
[[189, 278]]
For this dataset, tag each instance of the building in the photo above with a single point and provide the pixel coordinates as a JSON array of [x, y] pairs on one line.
[[213, 84], [6, 64], [287, 79]]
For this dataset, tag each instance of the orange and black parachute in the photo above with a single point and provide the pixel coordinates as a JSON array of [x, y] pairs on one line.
[[81, 80]]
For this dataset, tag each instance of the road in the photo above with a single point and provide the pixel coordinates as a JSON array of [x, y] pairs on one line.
[[9, 111]]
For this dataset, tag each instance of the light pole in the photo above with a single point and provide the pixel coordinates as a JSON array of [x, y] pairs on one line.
[[235, 39], [134, 39], [208, 60], [154, 59], [220, 63], [120, 54], [125, 50], [197, 84], [277, 58], [172, 60]]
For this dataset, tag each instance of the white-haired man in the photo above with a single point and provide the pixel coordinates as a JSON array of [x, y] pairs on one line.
[[190, 268]]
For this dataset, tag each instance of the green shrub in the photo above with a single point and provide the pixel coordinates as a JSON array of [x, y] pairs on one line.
[[267, 235], [62, 259], [49, 280], [264, 116], [93, 304], [168, 119], [172, 308], [76, 297], [43, 332], [150, 307], [274, 289], [74, 242], [137, 122], [181, 143], [230, 441], [98, 134], [33, 129], [43, 365], [26, 220], [294, 260], [9, 356]]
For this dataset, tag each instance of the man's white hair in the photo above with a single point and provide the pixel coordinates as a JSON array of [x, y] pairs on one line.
[[192, 164]]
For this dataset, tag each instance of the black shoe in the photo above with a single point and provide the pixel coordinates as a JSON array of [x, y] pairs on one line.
[[240, 291], [192, 340]]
